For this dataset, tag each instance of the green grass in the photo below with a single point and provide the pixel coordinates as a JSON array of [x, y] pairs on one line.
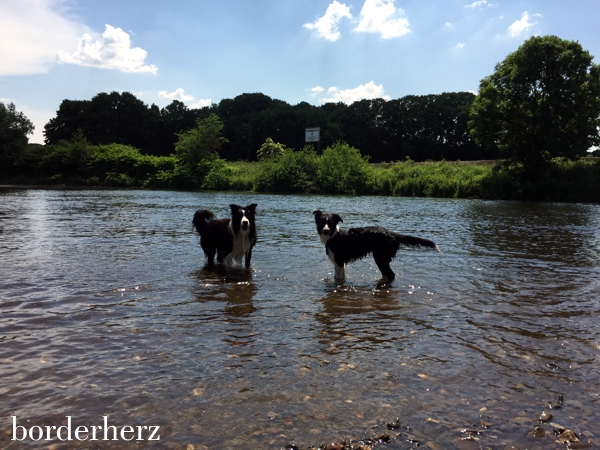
[[341, 169]]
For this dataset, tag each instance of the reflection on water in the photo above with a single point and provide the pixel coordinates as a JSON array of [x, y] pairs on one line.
[[107, 308]]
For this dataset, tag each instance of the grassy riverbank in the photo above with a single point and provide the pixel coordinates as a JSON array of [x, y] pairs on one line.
[[341, 169], [563, 181]]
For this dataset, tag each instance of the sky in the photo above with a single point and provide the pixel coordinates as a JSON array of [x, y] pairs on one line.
[[317, 51]]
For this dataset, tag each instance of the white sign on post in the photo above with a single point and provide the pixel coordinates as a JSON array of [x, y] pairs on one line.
[[312, 134]]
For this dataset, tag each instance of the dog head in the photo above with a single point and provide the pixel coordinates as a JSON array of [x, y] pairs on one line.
[[327, 225], [242, 217]]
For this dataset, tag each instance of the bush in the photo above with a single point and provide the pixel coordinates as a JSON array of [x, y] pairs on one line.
[[219, 176], [292, 172], [343, 170]]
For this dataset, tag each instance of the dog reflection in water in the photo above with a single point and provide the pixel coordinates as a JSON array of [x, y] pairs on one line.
[[343, 247], [230, 239]]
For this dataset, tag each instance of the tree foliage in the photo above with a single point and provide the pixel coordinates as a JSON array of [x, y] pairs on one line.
[[14, 129], [270, 150], [419, 127], [198, 148], [121, 118], [542, 101]]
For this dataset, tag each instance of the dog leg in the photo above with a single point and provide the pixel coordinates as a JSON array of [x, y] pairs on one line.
[[229, 260], [383, 263], [340, 273], [248, 257], [220, 257], [210, 255]]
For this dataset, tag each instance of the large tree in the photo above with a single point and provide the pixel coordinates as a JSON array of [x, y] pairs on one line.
[[542, 101], [14, 128]]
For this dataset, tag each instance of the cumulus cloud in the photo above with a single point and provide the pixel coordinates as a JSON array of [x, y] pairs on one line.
[[111, 51], [201, 103], [480, 4], [31, 34], [328, 26], [381, 16], [523, 25], [364, 91], [179, 94]]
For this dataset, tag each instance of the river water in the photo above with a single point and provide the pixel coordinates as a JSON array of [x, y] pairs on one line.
[[108, 313]]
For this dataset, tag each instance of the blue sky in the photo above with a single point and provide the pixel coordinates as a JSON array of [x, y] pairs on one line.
[[201, 51]]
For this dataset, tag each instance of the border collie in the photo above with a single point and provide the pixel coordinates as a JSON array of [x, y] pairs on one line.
[[231, 239], [344, 247]]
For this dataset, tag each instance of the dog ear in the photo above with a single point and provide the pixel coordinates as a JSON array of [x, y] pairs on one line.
[[234, 208], [252, 207], [336, 218], [317, 214]]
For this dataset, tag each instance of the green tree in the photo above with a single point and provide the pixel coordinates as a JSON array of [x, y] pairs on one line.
[[197, 148], [541, 102], [270, 150], [343, 170], [14, 128]]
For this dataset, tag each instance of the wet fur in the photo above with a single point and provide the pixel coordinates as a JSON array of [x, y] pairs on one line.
[[343, 247], [230, 239]]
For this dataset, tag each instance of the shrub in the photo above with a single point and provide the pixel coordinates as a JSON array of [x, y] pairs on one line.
[[292, 172], [343, 170], [219, 176]]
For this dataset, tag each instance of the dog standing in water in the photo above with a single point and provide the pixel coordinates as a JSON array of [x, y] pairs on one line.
[[344, 247], [230, 239]]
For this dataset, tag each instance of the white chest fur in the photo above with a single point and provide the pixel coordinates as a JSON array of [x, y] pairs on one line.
[[241, 246]]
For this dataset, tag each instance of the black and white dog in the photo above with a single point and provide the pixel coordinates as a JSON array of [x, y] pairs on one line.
[[231, 239], [344, 247]]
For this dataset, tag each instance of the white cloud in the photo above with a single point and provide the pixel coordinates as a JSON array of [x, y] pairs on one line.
[[32, 32], [480, 4], [380, 16], [314, 92], [327, 26], [460, 45], [112, 51], [364, 91], [523, 25], [179, 94], [201, 103]]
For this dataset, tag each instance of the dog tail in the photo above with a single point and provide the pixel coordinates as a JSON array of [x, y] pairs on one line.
[[201, 218], [413, 241]]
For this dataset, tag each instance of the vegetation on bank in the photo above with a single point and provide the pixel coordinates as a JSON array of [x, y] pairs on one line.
[[340, 169]]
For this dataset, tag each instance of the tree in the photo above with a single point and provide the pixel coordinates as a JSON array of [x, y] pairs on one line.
[[197, 148], [14, 128], [270, 150], [542, 101]]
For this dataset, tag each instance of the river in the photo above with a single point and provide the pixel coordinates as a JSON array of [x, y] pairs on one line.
[[108, 313]]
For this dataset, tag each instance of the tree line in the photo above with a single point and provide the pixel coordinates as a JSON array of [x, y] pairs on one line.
[[428, 127]]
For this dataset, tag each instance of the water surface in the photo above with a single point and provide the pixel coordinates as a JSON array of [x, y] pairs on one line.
[[107, 309]]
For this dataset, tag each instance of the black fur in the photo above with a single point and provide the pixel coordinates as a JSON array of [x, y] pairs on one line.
[[230, 239], [344, 247]]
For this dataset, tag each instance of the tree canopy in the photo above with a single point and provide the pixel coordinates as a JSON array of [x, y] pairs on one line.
[[417, 127], [542, 101], [14, 129]]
